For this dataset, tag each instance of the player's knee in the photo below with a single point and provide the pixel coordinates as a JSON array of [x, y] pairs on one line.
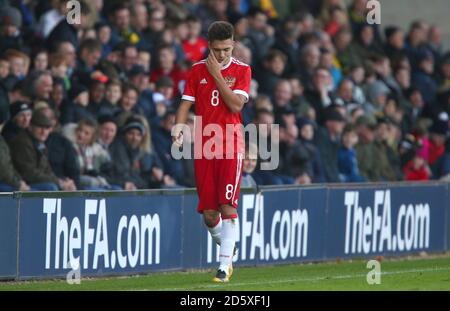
[[228, 212], [211, 218]]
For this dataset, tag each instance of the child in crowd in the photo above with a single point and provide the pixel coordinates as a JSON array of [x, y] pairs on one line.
[[250, 160], [347, 161]]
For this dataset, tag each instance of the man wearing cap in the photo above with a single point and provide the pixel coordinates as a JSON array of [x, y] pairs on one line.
[[372, 161], [139, 77], [20, 113], [29, 154], [134, 165], [10, 179], [162, 98], [438, 134], [162, 139], [328, 142], [10, 24]]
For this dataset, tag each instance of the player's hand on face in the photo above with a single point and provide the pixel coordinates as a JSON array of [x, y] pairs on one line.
[[213, 65]]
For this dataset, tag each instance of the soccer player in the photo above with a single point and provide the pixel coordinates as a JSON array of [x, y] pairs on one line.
[[219, 86]]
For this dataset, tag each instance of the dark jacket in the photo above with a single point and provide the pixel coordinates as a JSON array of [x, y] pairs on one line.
[[62, 157], [426, 84], [62, 32], [31, 160], [267, 81], [131, 165], [11, 42], [373, 162], [162, 140], [8, 174], [292, 51], [102, 109], [317, 165], [328, 150], [10, 130], [72, 113]]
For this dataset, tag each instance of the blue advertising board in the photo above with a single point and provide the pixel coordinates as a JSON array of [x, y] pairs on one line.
[[8, 236], [277, 226], [101, 236], [47, 235], [384, 220], [447, 227]]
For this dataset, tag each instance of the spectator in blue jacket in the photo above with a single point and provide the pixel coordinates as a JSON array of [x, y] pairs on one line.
[[422, 77], [347, 161], [162, 140]]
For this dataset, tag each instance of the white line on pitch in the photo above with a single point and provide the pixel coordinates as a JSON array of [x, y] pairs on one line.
[[315, 279]]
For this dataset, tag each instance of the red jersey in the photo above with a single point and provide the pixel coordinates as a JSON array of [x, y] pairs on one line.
[[195, 51], [177, 75], [201, 88]]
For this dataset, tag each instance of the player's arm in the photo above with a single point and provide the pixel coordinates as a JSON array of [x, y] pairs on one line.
[[235, 102], [183, 111], [180, 120]]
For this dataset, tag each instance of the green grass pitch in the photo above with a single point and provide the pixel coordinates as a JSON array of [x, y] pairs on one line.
[[413, 273]]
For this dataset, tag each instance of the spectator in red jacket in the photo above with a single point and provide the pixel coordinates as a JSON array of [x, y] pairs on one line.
[[417, 168], [168, 67], [194, 46]]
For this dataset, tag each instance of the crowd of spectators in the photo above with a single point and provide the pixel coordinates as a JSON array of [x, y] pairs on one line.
[[89, 105]]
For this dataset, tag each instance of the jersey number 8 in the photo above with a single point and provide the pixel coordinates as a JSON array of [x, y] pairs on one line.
[[229, 191], [215, 98]]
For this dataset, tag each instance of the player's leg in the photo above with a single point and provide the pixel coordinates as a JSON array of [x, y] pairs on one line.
[[213, 223], [230, 172], [208, 197], [229, 236]]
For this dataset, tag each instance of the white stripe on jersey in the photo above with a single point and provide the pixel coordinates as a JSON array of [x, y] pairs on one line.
[[237, 62], [238, 174], [189, 98]]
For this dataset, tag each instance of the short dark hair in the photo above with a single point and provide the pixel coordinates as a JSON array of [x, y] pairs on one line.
[[91, 45], [253, 11], [120, 7], [192, 19], [273, 54], [220, 31], [348, 128]]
